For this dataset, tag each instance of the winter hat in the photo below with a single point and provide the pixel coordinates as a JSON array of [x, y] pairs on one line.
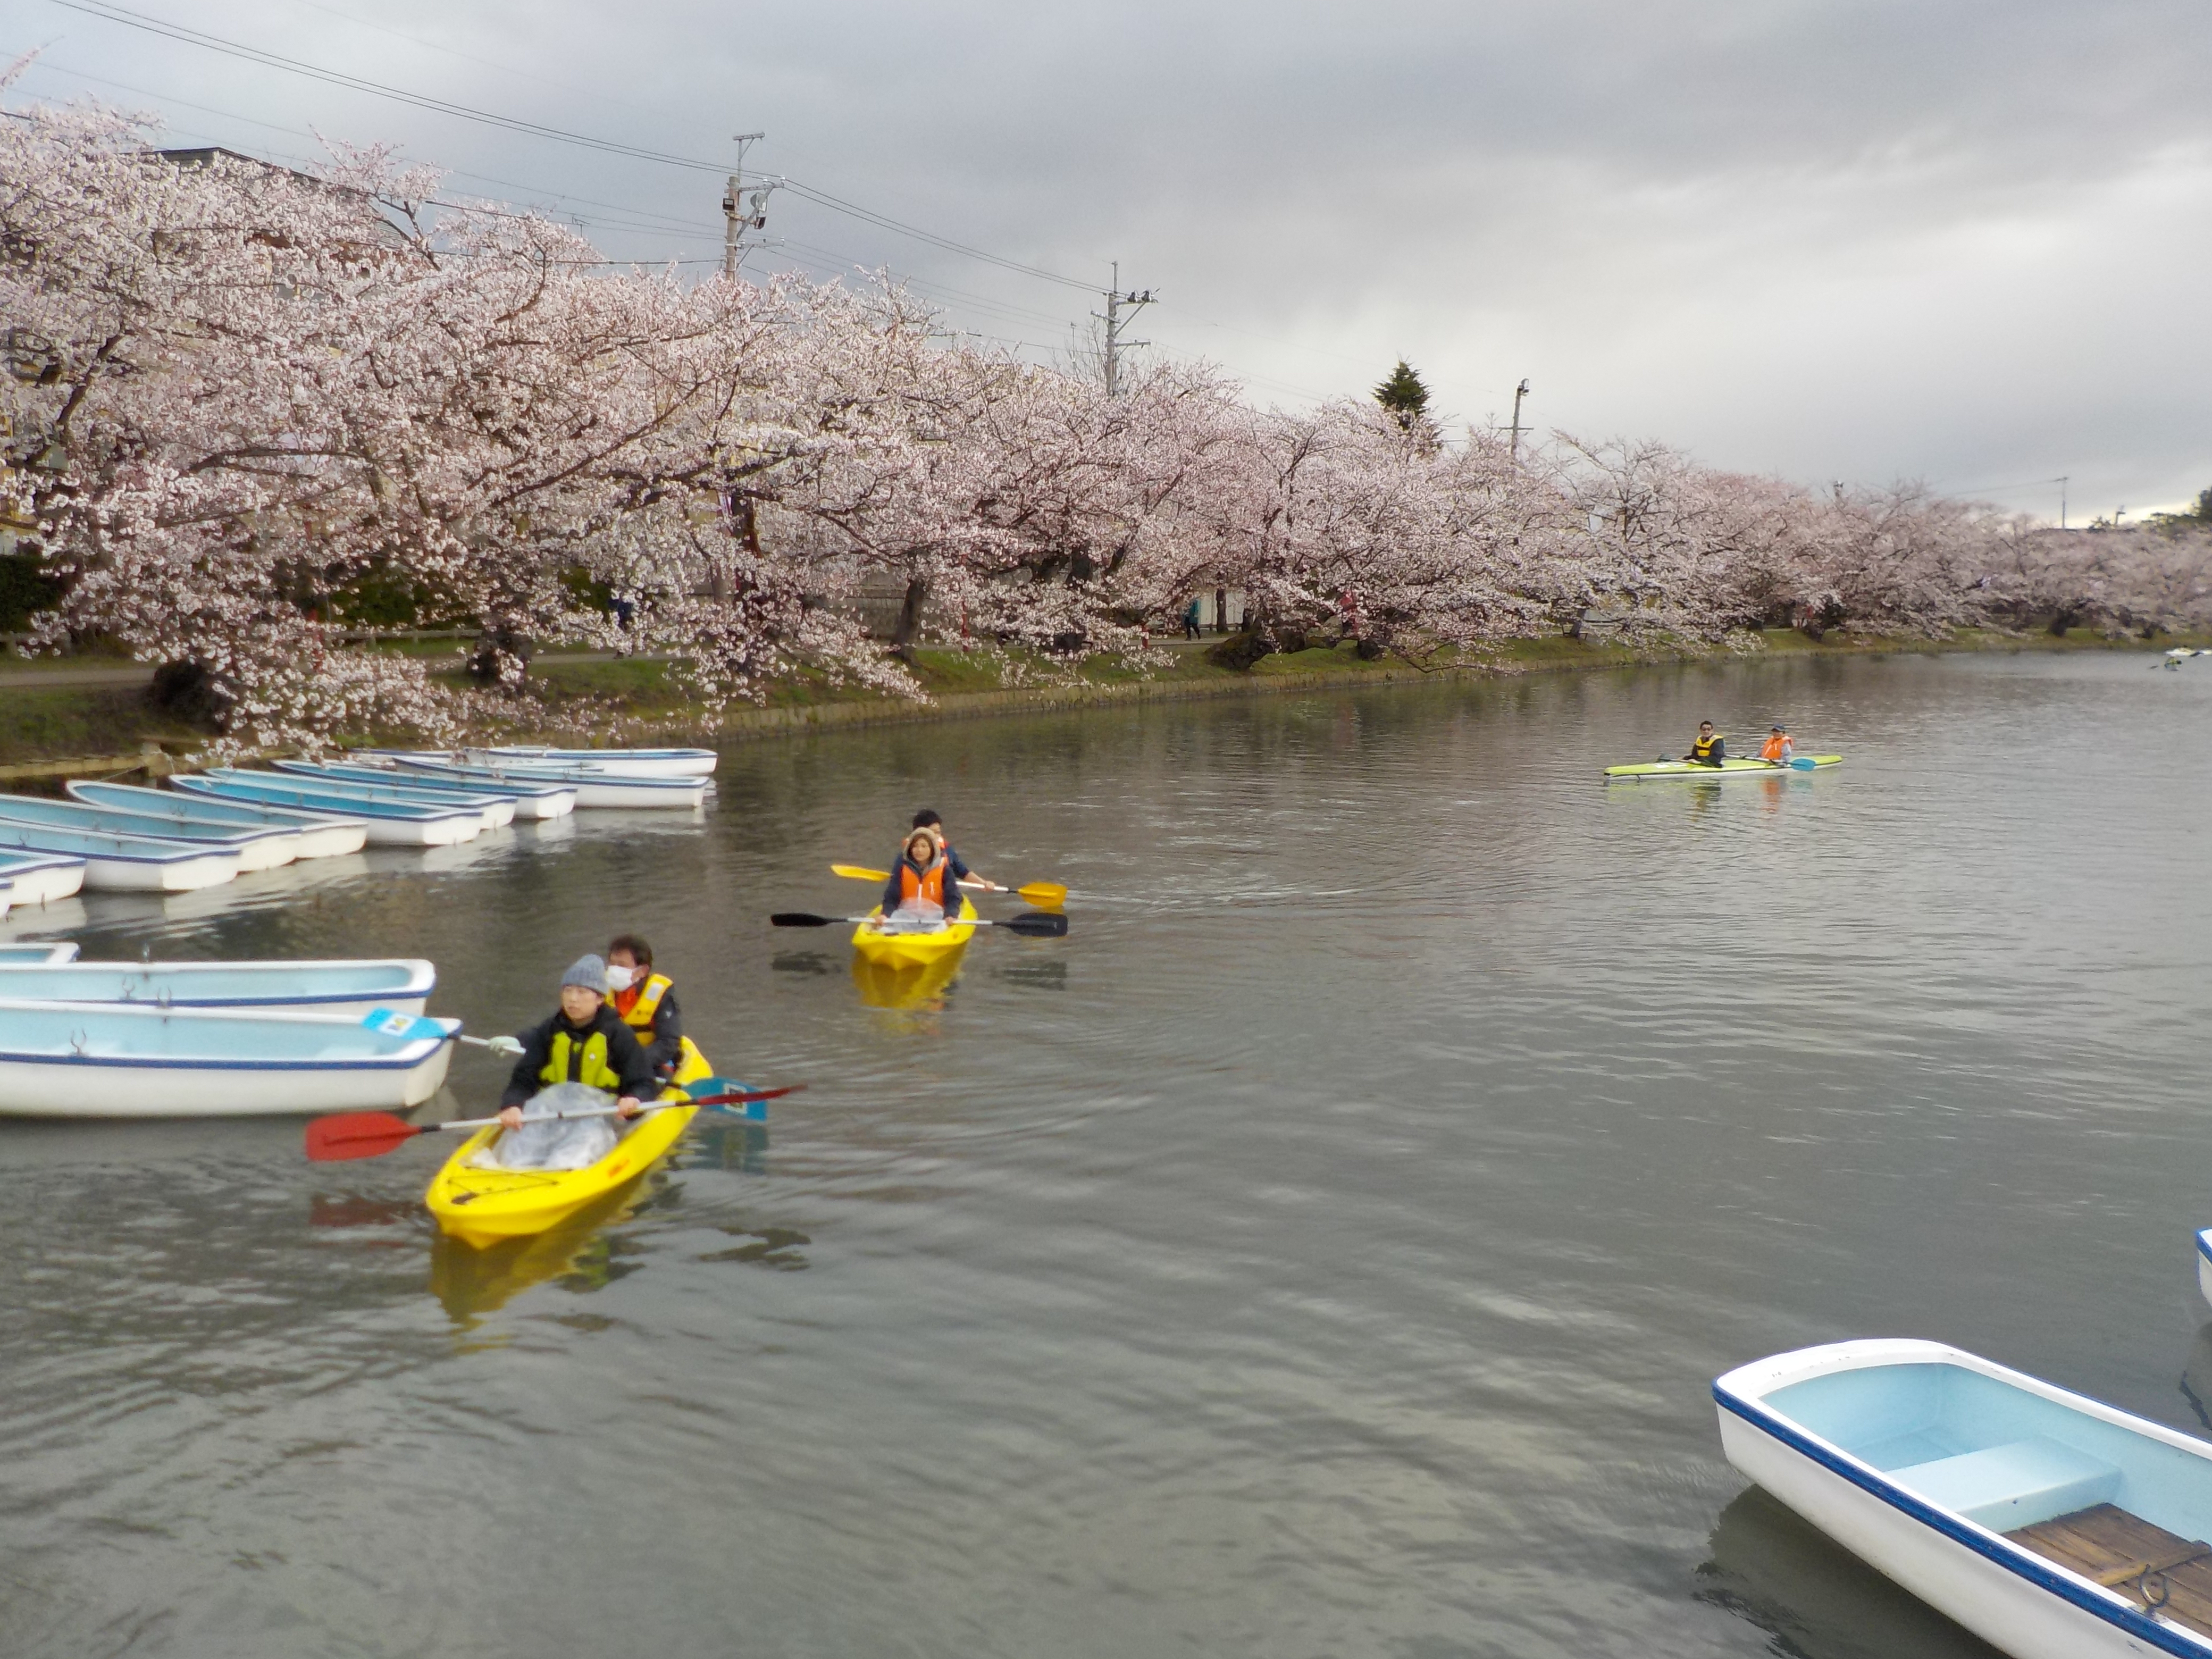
[[589, 972]]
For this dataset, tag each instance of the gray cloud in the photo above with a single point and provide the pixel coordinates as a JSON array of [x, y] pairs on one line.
[[1965, 242]]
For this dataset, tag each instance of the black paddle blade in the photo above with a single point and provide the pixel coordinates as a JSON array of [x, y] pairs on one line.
[[800, 919], [1037, 924]]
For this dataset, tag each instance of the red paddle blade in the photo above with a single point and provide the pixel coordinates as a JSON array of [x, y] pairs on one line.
[[355, 1134], [740, 1098]]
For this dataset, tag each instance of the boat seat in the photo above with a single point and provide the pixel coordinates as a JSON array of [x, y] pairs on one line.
[[2014, 1485]]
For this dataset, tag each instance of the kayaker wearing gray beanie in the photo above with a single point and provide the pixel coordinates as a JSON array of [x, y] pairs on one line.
[[586, 1043]]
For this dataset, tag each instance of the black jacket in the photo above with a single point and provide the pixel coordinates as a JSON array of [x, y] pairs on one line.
[[664, 1049], [624, 1056]]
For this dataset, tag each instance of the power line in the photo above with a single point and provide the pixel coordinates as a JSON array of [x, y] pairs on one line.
[[110, 12]]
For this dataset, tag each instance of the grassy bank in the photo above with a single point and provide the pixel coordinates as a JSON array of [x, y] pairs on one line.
[[589, 697]]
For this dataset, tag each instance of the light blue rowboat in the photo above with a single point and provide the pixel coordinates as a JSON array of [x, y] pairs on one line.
[[307, 987], [592, 789], [320, 836], [532, 800], [257, 849], [497, 811], [123, 1059], [2049, 1524], [390, 824], [132, 864], [44, 955], [41, 878]]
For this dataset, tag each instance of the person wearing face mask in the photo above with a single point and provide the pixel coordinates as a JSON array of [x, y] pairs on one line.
[[646, 1002], [586, 1043]]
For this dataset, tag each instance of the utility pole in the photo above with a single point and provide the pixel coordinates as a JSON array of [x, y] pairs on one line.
[[1519, 393], [738, 216], [2062, 503], [1116, 301]]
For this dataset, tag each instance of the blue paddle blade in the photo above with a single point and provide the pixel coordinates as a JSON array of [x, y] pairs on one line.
[[390, 1022], [1803, 764], [753, 1111]]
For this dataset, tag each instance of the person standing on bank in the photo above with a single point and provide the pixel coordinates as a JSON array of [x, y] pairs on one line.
[[586, 1043]]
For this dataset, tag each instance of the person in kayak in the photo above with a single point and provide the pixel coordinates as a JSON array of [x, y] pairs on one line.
[[586, 1043], [1711, 748], [922, 885], [1777, 750], [645, 1000], [962, 875]]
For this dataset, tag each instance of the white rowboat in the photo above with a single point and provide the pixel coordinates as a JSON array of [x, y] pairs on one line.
[[2050, 1525], [42, 955], [495, 811], [127, 864], [615, 763], [321, 836], [114, 1059], [532, 800], [389, 824], [591, 792], [257, 849], [42, 878], [302, 987]]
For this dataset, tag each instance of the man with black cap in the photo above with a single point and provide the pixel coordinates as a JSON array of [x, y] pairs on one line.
[[586, 1043]]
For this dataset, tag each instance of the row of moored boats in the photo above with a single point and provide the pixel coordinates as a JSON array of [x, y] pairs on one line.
[[209, 827]]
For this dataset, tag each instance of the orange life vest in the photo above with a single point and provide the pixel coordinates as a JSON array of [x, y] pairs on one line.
[[1774, 747], [928, 884], [640, 1004]]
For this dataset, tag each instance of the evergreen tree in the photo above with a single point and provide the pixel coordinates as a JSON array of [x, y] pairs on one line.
[[1404, 396]]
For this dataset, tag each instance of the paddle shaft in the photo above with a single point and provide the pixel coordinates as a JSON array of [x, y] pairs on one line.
[[1036, 892], [1038, 927]]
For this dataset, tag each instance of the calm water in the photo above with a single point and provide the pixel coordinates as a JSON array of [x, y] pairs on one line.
[[1324, 1250]]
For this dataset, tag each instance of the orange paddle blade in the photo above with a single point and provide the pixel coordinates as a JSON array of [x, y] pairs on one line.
[[356, 1135]]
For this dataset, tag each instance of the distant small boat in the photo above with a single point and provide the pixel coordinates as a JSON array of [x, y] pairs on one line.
[[496, 810], [593, 790], [22, 954], [532, 800], [257, 849], [388, 823], [321, 835], [2050, 1525], [304, 987], [89, 1060], [41, 878], [134, 863]]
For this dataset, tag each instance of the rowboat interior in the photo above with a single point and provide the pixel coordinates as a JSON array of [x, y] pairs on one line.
[[2108, 1501]]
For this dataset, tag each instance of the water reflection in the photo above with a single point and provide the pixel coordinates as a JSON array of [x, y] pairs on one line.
[[1815, 1598], [471, 1283], [920, 987]]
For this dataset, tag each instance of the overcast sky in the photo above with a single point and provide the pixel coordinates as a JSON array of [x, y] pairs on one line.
[[1965, 242]]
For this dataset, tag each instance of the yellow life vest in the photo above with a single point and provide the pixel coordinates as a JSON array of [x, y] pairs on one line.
[[585, 1062], [639, 1015], [1702, 748]]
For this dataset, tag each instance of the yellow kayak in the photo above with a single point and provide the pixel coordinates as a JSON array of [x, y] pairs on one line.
[[482, 1206], [897, 948]]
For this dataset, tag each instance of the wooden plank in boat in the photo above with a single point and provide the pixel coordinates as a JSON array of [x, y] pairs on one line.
[[2123, 1552]]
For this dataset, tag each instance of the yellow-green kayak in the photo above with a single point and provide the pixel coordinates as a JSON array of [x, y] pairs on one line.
[[1727, 769]]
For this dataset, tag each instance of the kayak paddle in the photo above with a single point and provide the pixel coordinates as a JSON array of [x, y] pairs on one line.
[[1033, 924], [347, 1136], [1049, 893]]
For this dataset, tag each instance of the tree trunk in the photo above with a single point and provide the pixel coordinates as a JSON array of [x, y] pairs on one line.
[[910, 619]]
